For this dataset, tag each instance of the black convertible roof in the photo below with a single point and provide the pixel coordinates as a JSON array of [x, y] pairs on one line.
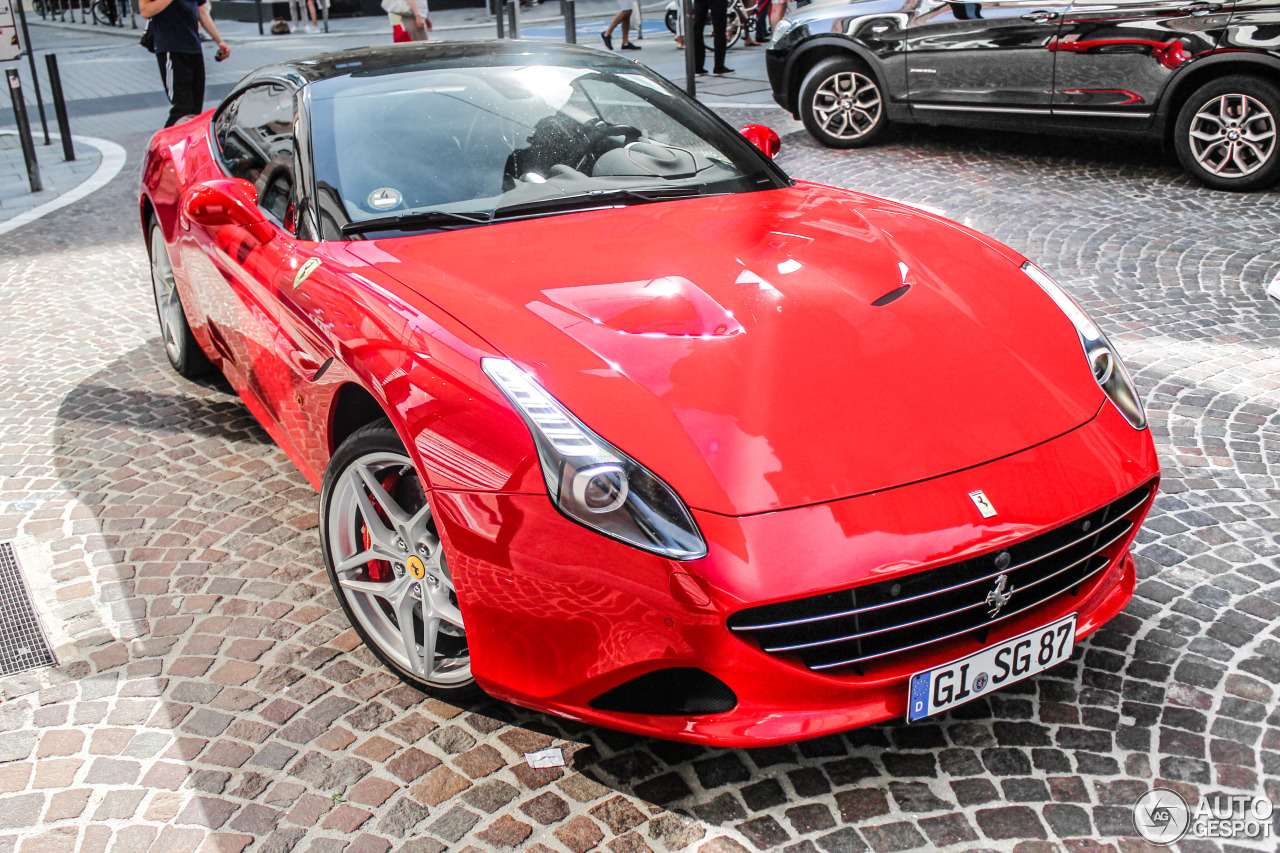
[[419, 55]]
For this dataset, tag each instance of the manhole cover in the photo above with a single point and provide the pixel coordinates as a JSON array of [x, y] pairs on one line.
[[23, 644]]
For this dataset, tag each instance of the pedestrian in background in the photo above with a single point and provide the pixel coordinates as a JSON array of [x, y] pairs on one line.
[[623, 17], [175, 28], [718, 11], [415, 17]]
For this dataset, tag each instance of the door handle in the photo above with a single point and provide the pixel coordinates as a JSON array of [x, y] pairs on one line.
[[1040, 16]]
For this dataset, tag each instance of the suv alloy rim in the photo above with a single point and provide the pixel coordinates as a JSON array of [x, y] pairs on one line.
[[1233, 135], [390, 566], [847, 105]]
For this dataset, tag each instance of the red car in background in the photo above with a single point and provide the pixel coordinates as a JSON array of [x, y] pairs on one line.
[[612, 419]]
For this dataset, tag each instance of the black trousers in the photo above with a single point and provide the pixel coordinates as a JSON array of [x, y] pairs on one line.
[[183, 76], [718, 10]]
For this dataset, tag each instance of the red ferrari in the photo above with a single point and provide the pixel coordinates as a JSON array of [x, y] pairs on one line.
[[612, 419]]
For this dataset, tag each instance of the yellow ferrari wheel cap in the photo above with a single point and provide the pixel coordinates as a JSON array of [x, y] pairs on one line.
[[416, 568]]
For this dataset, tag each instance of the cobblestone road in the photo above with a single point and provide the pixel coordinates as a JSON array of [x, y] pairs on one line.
[[211, 696]]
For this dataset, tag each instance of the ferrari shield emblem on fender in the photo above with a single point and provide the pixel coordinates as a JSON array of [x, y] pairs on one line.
[[305, 271], [984, 506]]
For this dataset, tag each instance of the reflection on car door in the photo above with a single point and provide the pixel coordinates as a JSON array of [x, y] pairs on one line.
[[982, 56], [254, 135], [1114, 57]]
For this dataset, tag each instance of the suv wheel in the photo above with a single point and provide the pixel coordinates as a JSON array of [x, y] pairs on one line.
[[841, 103], [1226, 133]]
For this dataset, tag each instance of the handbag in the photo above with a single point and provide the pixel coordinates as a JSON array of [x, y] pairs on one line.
[[148, 39], [398, 7]]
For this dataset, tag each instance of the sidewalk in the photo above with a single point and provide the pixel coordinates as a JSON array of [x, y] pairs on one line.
[[57, 175]]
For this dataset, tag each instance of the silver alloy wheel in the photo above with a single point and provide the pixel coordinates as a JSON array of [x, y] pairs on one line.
[[168, 305], [847, 105], [1233, 135], [390, 566]]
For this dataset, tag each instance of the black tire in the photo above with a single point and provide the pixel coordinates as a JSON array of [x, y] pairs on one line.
[[378, 448], [842, 104], [1238, 105], [671, 20], [175, 332]]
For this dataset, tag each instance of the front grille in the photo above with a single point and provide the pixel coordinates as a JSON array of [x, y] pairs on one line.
[[866, 623]]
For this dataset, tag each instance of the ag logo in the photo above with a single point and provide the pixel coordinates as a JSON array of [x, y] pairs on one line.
[[416, 567], [1161, 816]]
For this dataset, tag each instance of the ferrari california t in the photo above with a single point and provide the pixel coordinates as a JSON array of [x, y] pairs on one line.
[[612, 419]]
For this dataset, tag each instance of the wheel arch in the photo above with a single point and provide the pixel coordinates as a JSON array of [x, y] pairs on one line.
[[353, 407], [1204, 71], [823, 47]]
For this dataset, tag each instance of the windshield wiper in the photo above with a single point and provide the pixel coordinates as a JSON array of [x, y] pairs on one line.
[[409, 221], [593, 199]]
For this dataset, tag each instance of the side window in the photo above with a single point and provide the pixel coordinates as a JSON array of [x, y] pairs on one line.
[[255, 138]]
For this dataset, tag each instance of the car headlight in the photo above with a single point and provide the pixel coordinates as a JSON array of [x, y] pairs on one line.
[[594, 483], [784, 27], [1104, 361]]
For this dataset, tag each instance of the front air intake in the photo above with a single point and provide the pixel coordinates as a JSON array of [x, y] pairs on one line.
[[678, 691]]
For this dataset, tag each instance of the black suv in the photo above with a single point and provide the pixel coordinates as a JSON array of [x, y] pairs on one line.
[[1204, 76]]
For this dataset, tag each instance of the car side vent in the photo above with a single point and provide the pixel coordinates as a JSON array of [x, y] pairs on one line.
[[676, 691], [891, 296]]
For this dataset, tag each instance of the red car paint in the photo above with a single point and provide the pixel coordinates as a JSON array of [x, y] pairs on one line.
[[821, 441]]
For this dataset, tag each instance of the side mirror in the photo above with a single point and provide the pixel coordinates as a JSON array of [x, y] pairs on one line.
[[227, 201], [764, 138]]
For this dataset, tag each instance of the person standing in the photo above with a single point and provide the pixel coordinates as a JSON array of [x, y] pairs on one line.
[[623, 17], [718, 11], [174, 25], [414, 17]]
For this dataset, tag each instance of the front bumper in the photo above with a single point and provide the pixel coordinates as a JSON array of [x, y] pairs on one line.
[[558, 615], [775, 64]]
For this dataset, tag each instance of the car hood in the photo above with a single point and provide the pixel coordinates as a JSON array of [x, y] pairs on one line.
[[759, 351]]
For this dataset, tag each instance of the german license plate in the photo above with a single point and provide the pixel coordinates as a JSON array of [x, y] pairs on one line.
[[969, 677]]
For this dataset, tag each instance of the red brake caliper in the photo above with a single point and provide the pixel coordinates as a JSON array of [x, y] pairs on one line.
[[379, 570]]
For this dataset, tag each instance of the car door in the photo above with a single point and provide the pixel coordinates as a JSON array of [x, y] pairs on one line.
[[1113, 58], [982, 57], [254, 138]]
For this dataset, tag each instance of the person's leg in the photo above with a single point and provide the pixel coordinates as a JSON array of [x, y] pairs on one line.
[[410, 25], [626, 28], [777, 11], [700, 10], [181, 83], [719, 36], [762, 18], [607, 35]]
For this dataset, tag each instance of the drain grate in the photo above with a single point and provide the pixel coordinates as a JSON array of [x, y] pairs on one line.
[[23, 644]]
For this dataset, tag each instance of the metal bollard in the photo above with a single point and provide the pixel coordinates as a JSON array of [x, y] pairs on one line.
[[570, 22], [513, 11], [35, 78], [60, 107], [501, 31], [24, 130]]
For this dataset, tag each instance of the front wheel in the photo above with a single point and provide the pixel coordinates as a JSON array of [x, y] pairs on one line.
[[841, 104], [1225, 135], [386, 563], [179, 344], [672, 19]]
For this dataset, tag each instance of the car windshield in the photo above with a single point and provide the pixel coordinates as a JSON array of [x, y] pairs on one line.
[[451, 147]]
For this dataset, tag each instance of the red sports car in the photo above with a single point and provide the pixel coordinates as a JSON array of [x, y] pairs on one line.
[[612, 419]]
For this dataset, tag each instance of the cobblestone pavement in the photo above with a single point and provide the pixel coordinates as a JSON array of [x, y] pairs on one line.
[[211, 696]]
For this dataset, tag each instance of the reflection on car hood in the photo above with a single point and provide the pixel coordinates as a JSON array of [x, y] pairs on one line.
[[733, 344]]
